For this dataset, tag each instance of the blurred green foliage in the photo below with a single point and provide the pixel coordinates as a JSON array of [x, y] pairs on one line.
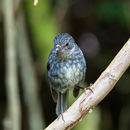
[[109, 21], [111, 11], [43, 28]]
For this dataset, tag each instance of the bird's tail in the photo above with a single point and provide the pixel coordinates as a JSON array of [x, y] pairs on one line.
[[62, 102]]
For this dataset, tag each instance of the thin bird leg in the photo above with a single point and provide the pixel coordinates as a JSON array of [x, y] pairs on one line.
[[62, 117], [61, 106]]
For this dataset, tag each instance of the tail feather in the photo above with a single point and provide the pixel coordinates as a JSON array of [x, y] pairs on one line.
[[62, 102]]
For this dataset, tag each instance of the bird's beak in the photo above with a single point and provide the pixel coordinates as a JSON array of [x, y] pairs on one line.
[[58, 48]]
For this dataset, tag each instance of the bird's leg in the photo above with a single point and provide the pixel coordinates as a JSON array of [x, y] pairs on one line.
[[61, 104], [62, 117]]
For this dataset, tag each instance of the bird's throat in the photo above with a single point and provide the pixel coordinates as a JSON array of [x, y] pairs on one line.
[[61, 56]]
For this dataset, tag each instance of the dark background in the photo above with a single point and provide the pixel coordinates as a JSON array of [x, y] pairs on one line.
[[99, 27]]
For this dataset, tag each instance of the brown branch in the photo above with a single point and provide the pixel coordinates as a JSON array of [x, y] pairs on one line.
[[13, 98], [101, 88]]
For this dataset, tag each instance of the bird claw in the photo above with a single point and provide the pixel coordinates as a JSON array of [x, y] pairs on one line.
[[89, 88], [61, 115]]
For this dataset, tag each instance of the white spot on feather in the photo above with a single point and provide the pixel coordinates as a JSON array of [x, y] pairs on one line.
[[69, 73]]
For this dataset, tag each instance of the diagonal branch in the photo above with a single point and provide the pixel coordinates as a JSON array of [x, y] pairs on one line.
[[101, 88]]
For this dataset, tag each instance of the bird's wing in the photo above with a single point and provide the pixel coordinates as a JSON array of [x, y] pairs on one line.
[[53, 91]]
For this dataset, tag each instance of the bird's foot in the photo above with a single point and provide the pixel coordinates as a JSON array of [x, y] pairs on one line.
[[61, 115], [89, 88]]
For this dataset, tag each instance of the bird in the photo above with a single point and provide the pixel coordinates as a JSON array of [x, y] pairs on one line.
[[66, 69]]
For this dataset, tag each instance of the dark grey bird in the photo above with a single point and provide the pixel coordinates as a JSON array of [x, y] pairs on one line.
[[66, 69]]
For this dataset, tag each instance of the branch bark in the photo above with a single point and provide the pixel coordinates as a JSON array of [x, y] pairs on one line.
[[101, 88]]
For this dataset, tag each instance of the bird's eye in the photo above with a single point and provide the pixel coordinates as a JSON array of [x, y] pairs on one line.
[[67, 44]]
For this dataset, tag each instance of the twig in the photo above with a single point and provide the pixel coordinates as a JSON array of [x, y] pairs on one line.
[[101, 88], [13, 99], [35, 2]]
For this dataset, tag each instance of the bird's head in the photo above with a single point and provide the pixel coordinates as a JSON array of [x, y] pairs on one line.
[[64, 45]]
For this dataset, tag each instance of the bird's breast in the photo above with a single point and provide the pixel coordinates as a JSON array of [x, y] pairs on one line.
[[71, 73], [66, 74]]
